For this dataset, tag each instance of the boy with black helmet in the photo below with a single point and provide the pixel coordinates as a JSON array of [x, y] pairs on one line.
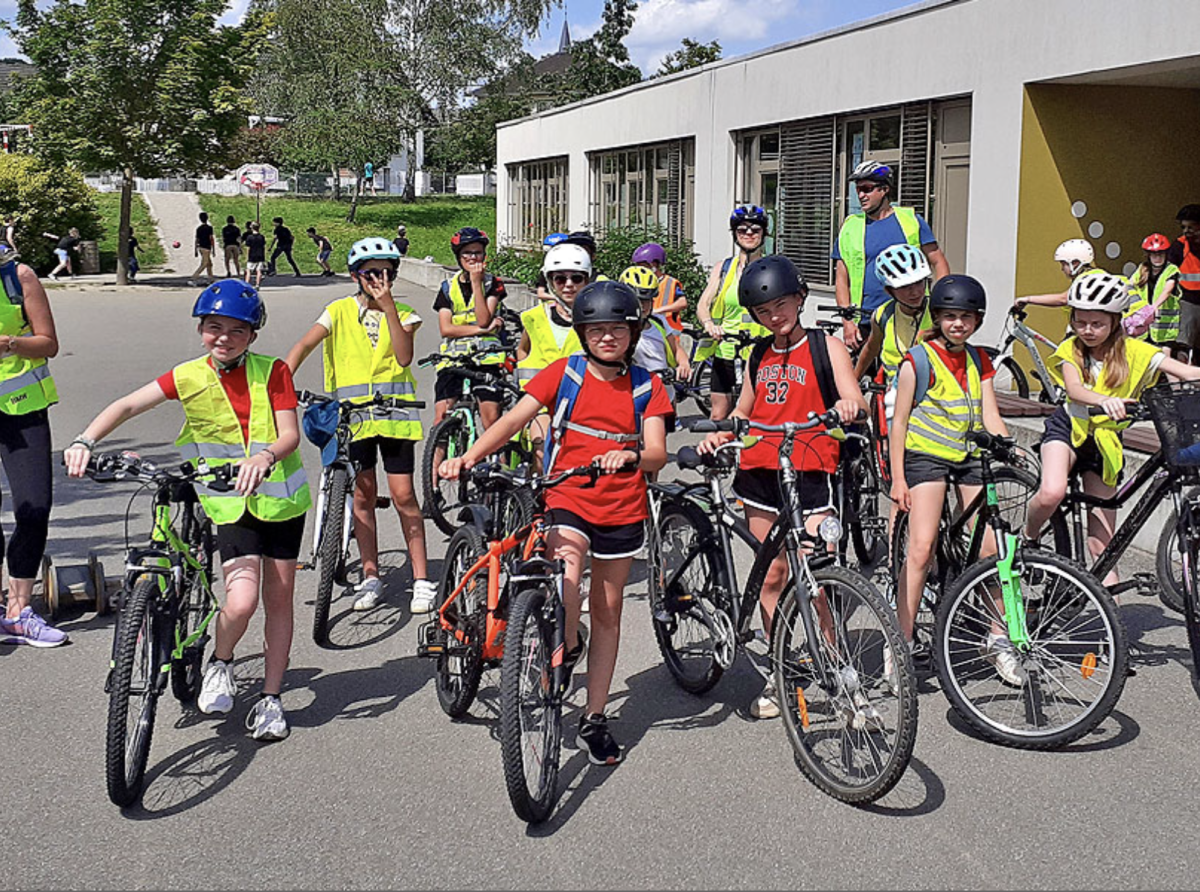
[[260, 522], [794, 372], [609, 414]]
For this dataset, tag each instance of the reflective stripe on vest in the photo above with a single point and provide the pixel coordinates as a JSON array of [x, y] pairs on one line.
[[212, 431], [464, 314], [852, 245], [356, 370], [666, 295], [544, 348], [1165, 327], [939, 424], [1189, 267], [25, 383]]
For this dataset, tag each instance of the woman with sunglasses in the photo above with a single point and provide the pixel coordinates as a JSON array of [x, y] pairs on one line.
[[721, 314], [367, 341]]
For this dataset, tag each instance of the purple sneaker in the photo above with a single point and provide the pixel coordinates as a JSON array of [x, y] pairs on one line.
[[29, 628]]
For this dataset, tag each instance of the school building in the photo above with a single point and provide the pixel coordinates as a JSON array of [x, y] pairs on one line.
[[1014, 124]]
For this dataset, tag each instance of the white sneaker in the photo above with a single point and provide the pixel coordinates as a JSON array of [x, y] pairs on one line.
[[370, 593], [265, 719], [424, 594], [999, 651], [766, 704], [217, 690]]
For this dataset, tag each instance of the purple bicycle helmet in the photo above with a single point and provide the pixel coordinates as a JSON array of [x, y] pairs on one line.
[[651, 252]]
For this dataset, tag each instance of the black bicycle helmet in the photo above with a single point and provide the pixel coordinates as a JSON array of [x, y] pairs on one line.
[[958, 293], [468, 235], [770, 278], [583, 238], [608, 301]]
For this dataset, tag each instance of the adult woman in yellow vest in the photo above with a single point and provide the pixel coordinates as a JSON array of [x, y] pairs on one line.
[[239, 408], [548, 335], [368, 349], [669, 300], [1154, 290], [937, 452], [721, 314], [1098, 366], [467, 308], [27, 339]]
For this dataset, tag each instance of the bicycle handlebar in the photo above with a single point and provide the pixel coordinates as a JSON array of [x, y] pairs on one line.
[[463, 359], [1004, 448], [1134, 411], [850, 314], [743, 426], [395, 403], [106, 467], [493, 472], [742, 338]]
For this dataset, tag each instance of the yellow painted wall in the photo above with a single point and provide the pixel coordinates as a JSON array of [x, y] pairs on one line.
[[1129, 153]]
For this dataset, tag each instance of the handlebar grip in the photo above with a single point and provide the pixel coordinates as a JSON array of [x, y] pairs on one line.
[[708, 426], [1133, 409]]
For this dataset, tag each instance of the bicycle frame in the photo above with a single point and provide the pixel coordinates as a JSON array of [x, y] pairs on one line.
[[1029, 338]]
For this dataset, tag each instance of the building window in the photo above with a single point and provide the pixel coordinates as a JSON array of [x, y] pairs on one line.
[[537, 200], [759, 182], [650, 186]]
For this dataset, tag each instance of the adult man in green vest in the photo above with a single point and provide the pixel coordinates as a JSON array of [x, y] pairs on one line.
[[865, 235]]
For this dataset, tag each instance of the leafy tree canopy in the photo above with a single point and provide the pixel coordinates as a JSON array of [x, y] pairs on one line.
[[691, 54]]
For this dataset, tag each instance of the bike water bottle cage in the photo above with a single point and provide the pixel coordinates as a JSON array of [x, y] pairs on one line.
[[568, 393], [920, 361]]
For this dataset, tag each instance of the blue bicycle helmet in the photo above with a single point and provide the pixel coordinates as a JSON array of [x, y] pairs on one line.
[[553, 239], [233, 298], [748, 214]]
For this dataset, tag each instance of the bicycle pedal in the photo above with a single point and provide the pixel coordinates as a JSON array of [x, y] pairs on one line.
[[305, 565], [429, 641], [382, 503]]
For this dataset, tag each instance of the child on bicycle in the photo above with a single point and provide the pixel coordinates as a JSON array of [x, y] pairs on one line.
[[368, 349], [933, 419], [1076, 258], [607, 518], [239, 408], [1154, 291], [1098, 366], [791, 374], [467, 307]]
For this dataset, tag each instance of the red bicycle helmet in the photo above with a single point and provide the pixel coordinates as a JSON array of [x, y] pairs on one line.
[[1156, 241]]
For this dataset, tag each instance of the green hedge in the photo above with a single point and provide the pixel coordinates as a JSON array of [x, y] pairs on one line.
[[47, 199]]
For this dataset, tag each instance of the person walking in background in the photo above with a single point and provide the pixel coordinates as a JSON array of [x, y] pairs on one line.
[[134, 266], [11, 222], [203, 248], [231, 241], [256, 254], [282, 243], [369, 177], [324, 249], [401, 240], [66, 244]]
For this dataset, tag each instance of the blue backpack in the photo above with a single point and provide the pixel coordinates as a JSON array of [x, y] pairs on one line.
[[11, 284], [568, 393]]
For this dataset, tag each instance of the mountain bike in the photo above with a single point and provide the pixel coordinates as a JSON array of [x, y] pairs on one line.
[[166, 606], [333, 524], [1062, 628], [851, 728], [459, 429], [1010, 377]]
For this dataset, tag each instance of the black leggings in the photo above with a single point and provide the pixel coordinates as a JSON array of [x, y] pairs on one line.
[[25, 454], [286, 252]]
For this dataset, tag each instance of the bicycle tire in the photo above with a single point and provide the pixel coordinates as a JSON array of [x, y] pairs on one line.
[[1078, 643], [187, 672], [684, 540], [517, 508], [700, 387], [457, 675], [864, 496], [1010, 377], [1191, 601], [329, 552], [127, 747], [846, 745], [444, 498], [1168, 562], [528, 649]]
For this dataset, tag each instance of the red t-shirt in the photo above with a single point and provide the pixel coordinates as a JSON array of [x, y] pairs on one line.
[[607, 406], [786, 389], [957, 364], [280, 389]]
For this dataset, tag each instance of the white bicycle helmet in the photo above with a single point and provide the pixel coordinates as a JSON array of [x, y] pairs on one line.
[[1100, 291], [371, 249], [1075, 251], [901, 265], [873, 171], [567, 258]]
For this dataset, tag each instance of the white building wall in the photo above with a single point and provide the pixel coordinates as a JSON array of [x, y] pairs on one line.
[[987, 49]]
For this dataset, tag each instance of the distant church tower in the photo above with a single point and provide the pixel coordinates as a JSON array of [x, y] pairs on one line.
[[564, 40]]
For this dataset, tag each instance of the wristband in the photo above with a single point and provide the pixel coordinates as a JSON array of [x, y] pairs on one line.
[[274, 459], [86, 442]]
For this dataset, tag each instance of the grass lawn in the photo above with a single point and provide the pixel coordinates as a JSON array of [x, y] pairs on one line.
[[144, 227], [430, 222]]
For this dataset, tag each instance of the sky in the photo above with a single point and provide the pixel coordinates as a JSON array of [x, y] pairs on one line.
[[741, 26]]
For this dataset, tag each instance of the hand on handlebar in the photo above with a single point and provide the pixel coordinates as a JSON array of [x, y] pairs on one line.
[[452, 468], [848, 410], [617, 460], [251, 472], [711, 443], [76, 457], [1114, 408], [714, 331]]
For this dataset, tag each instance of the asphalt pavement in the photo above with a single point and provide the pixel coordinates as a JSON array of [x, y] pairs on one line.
[[376, 788]]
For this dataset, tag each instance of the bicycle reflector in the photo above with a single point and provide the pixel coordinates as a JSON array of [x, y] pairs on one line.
[[1088, 667]]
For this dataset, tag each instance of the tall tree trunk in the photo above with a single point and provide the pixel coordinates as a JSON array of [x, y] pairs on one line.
[[337, 183], [123, 229], [410, 168], [358, 187]]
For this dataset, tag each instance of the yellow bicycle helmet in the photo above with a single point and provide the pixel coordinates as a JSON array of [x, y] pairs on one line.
[[641, 280]]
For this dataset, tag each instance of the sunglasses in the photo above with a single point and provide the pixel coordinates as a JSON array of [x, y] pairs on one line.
[[372, 275], [749, 229], [563, 278], [863, 187]]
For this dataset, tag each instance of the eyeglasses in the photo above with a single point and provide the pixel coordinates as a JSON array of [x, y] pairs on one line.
[[563, 278], [598, 331], [749, 229], [372, 274], [863, 186]]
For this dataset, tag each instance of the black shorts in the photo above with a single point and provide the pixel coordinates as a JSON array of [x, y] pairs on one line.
[[448, 386], [724, 376], [759, 488], [920, 468], [607, 543], [398, 455], [251, 537], [1087, 455]]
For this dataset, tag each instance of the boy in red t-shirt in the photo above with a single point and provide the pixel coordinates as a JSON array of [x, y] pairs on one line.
[[782, 386], [606, 519]]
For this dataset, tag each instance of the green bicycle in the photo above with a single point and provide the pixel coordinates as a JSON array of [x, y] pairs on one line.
[[166, 607]]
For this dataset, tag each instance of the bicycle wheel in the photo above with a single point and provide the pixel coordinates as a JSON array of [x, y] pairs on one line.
[[186, 672], [516, 507], [1168, 565], [701, 386], [450, 438], [1063, 685], [689, 612], [852, 731], [330, 555], [1191, 601], [866, 508], [460, 665], [1010, 377], [530, 708], [133, 695]]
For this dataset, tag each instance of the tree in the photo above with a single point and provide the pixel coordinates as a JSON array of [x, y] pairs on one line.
[[691, 54], [600, 64], [144, 87]]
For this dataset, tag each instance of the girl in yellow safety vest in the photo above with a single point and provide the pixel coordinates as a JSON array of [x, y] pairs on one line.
[[1154, 290], [937, 452], [368, 349], [1098, 366], [239, 408]]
